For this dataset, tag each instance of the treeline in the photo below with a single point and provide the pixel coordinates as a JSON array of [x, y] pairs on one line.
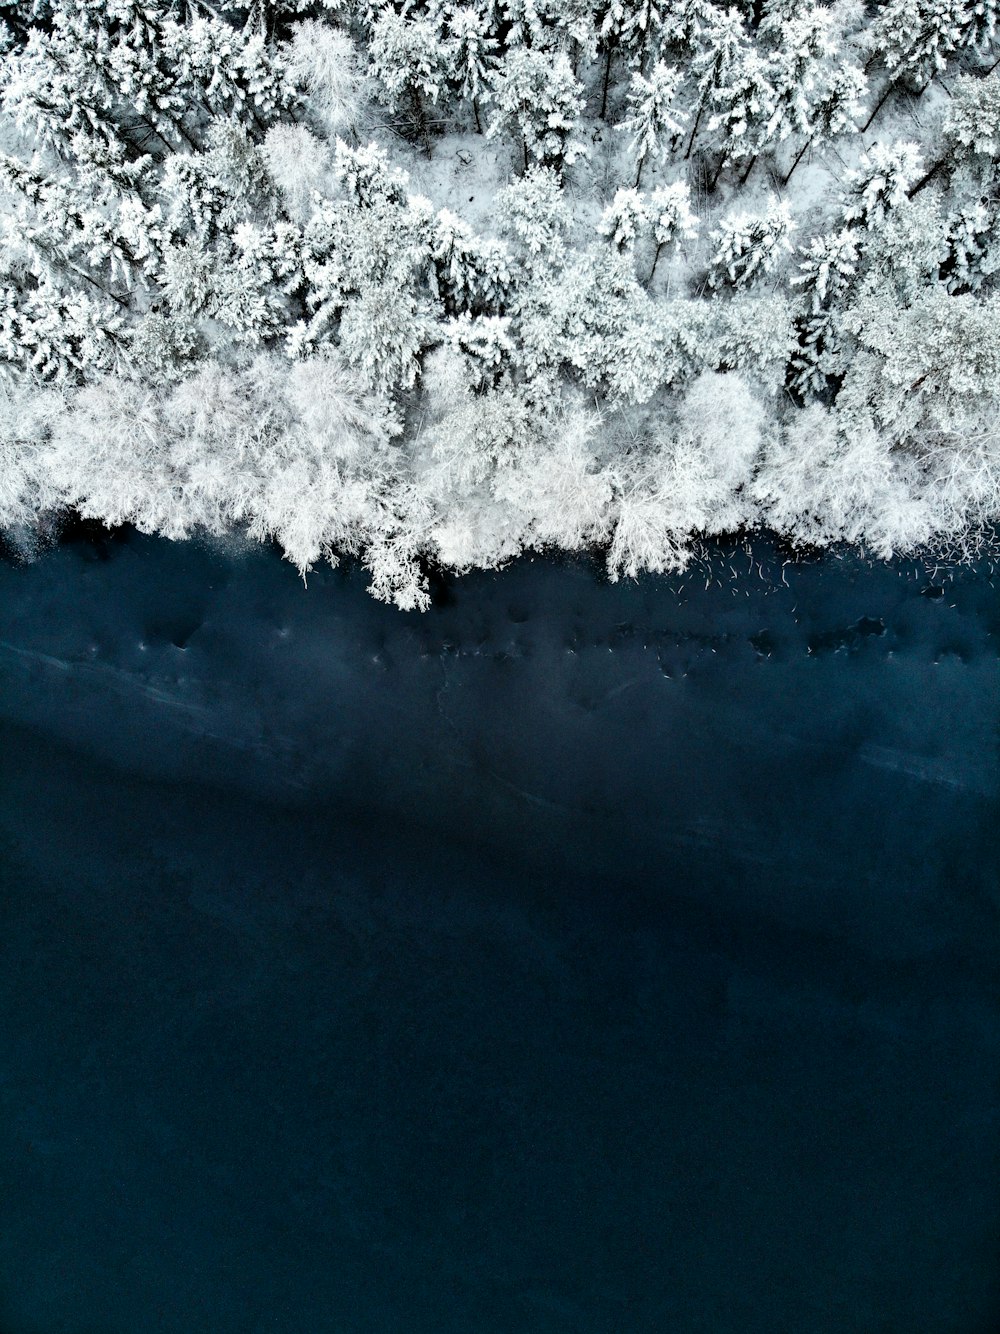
[[727, 265]]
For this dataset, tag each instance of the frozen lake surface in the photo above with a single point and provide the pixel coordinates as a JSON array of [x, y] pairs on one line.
[[570, 958]]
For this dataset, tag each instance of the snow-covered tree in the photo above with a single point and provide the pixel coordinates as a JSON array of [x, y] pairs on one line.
[[684, 21], [559, 492], [971, 133], [827, 269], [534, 210], [538, 95], [631, 28], [818, 483], [881, 182], [926, 374], [748, 246], [981, 25], [747, 109], [58, 334], [231, 72], [828, 265], [695, 480], [971, 254], [472, 274], [323, 62], [835, 107], [914, 38], [409, 61], [654, 123], [472, 51], [64, 237], [625, 219], [812, 88], [720, 50], [673, 221], [298, 163]]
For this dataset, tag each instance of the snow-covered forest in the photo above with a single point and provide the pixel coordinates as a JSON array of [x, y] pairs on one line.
[[433, 282]]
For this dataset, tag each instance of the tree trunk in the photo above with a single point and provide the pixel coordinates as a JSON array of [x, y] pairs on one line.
[[879, 104], [420, 117], [638, 174], [798, 158], [718, 172], [475, 112], [927, 177], [746, 175], [656, 260], [607, 76], [694, 131]]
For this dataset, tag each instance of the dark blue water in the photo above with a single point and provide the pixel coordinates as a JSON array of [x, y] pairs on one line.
[[570, 958]]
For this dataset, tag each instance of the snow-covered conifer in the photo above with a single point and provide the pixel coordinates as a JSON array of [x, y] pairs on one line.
[[324, 63], [233, 72], [800, 56], [827, 269], [64, 236], [534, 210], [981, 25], [486, 341], [632, 27], [673, 221], [472, 273], [835, 107], [720, 49], [59, 334], [472, 53], [625, 219], [54, 94], [747, 111], [683, 23], [750, 245], [212, 190], [538, 94], [972, 129], [880, 182], [971, 253], [653, 121], [409, 61], [914, 38]]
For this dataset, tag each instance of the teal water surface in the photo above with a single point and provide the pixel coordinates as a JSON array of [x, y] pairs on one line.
[[573, 957]]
